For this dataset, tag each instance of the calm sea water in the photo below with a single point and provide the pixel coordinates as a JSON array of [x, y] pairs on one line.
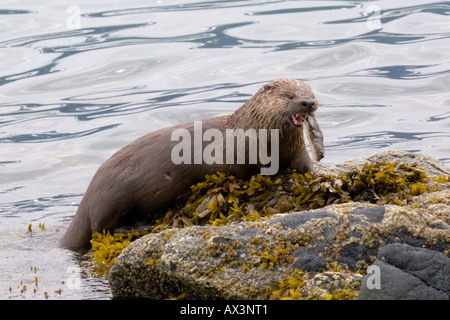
[[80, 79]]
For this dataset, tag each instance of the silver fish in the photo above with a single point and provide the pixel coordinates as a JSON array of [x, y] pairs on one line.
[[315, 137]]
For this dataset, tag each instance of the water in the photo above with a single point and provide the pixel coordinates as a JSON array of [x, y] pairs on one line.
[[80, 79]]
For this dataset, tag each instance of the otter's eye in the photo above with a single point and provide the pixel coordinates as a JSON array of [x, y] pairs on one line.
[[289, 96]]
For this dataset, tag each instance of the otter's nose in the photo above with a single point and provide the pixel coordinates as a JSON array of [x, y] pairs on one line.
[[309, 104]]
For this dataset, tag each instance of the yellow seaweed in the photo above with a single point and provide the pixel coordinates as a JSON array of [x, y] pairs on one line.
[[221, 199]]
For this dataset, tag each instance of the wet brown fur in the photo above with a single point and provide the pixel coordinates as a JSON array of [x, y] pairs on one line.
[[141, 179]]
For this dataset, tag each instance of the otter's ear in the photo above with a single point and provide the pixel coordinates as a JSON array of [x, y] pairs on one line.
[[266, 87]]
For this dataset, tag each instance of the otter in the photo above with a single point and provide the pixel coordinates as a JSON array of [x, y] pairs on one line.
[[141, 178]]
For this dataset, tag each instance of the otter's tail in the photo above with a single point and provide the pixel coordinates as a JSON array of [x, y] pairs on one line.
[[78, 235]]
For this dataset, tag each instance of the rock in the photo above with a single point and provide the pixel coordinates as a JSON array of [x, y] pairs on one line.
[[315, 254], [246, 260], [409, 273], [430, 165], [431, 267]]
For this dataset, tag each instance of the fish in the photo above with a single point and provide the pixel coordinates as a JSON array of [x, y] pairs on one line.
[[315, 137]]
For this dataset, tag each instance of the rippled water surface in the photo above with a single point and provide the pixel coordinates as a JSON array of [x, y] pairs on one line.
[[80, 79]]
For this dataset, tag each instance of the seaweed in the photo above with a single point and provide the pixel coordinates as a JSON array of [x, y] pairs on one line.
[[106, 247], [331, 285], [221, 199], [290, 288]]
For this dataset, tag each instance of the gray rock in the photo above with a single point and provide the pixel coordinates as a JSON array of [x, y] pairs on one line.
[[398, 285], [409, 273], [374, 214], [430, 165], [248, 260]]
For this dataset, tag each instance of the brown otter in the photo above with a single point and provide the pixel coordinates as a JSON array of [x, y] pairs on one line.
[[142, 177]]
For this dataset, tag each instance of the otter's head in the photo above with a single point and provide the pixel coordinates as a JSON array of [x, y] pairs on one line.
[[283, 104], [291, 99]]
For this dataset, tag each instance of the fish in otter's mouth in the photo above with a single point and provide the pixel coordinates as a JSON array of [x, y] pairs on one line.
[[313, 132], [315, 137]]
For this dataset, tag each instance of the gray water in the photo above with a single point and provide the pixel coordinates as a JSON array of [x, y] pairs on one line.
[[80, 79]]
